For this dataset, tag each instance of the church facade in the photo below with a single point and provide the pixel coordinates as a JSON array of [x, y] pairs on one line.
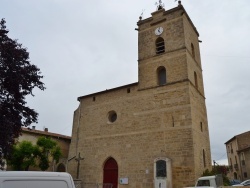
[[152, 133]]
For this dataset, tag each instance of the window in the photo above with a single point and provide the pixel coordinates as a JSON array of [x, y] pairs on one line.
[[160, 45], [162, 76], [128, 90], [231, 165], [93, 98], [112, 116], [204, 158], [192, 49], [195, 80], [236, 164], [236, 160], [245, 176], [36, 182], [201, 127], [161, 169], [204, 183], [235, 176], [242, 158]]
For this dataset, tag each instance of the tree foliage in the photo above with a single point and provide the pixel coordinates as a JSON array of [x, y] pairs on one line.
[[2, 161], [49, 151], [24, 154], [18, 77], [218, 170]]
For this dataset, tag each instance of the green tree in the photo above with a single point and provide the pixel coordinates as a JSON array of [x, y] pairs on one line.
[[218, 170], [23, 156], [49, 152], [18, 77]]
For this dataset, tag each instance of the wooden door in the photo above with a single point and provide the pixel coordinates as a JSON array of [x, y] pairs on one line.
[[110, 172]]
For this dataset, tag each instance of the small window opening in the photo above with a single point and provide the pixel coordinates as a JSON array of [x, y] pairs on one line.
[[192, 48], [204, 158], [161, 169], [162, 76], [93, 98], [195, 80], [201, 126], [160, 45], [235, 176], [112, 116], [128, 90], [245, 174]]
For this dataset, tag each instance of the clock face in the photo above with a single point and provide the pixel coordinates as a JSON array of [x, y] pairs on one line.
[[158, 30]]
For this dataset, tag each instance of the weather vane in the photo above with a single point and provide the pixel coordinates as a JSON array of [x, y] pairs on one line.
[[159, 5]]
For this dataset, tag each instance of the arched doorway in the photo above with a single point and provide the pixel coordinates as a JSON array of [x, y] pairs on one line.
[[235, 176], [110, 172], [61, 168]]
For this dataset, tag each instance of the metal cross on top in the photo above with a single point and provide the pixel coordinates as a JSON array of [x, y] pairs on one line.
[[160, 5], [179, 1]]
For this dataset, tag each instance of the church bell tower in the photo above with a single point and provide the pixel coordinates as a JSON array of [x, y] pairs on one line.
[[169, 63]]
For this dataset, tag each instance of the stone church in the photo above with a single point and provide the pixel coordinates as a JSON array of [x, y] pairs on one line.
[[152, 133]]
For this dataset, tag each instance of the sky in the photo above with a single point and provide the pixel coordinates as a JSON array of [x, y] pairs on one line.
[[83, 47]]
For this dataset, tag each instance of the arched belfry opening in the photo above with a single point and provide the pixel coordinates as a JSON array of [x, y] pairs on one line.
[[161, 75], [193, 52], [160, 45], [195, 80], [110, 172]]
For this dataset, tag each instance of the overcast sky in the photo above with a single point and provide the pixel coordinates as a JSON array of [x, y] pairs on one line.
[[83, 47]]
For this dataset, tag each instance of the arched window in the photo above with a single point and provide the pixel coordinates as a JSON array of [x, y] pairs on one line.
[[195, 80], [204, 158], [236, 160], [161, 168], [162, 76], [235, 176], [192, 49], [160, 45]]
